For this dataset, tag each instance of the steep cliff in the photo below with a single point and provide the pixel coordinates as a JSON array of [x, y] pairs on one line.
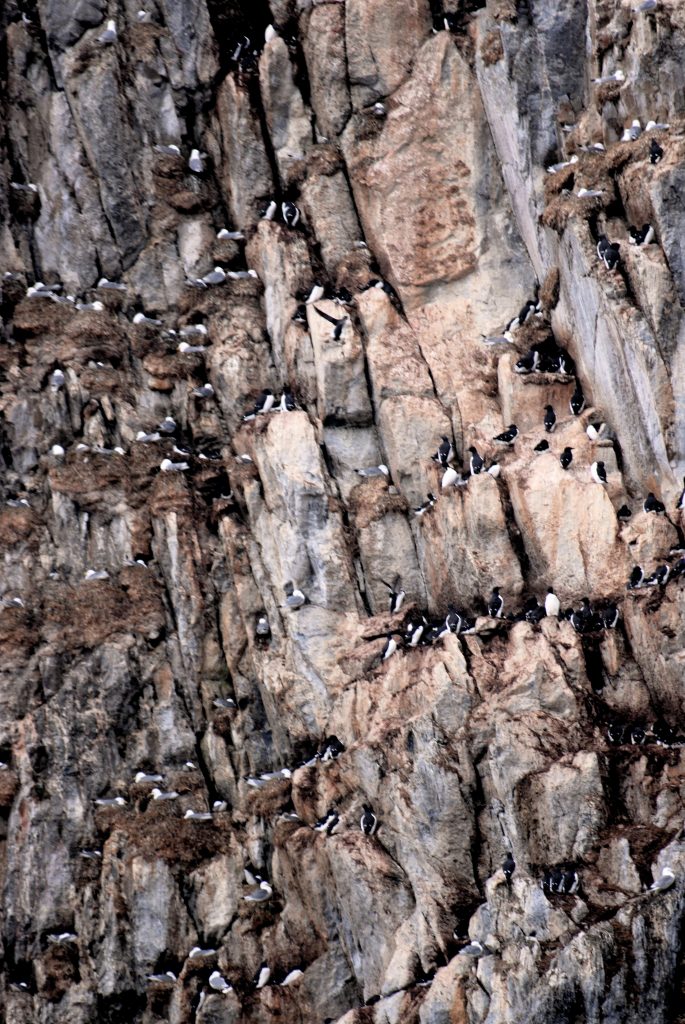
[[145, 636]]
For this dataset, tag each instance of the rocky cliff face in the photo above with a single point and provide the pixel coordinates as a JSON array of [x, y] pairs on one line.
[[131, 595]]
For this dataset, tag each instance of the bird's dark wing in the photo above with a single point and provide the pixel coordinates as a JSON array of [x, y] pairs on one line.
[[331, 319]]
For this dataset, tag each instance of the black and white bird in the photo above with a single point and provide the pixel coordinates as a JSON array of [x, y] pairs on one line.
[[196, 162], [450, 478], [475, 462], [641, 236], [550, 420], [566, 457], [612, 256], [287, 402], [331, 749], [595, 430], [338, 324], [508, 436], [291, 977], [598, 472], [397, 594], [294, 598], [610, 616], [218, 983], [329, 823], [652, 504], [624, 514], [659, 577], [528, 363], [262, 630], [290, 214], [390, 647], [636, 578], [270, 210], [664, 881], [541, 446], [414, 631], [263, 404], [577, 402], [508, 867], [428, 504], [262, 976], [445, 452], [453, 619], [495, 604], [656, 153], [369, 471], [552, 605], [368, 821]]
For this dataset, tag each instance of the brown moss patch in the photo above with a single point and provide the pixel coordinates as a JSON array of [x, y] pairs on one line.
[[35, 317], [92, 336], [504, 10], [167, 836], [17, 636], [266, 802], [492, 49], [370, 500], [85, 616], [60, 970], [609, 92], [549, 291], [16, 526], [170, 493], [323, 160], [9, 784]]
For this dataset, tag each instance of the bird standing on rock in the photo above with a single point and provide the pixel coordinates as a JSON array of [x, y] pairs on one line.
[[598, 472], [397, 594], [293, 598], [508, 867], [652, 504], [550, 420], [508, 436], [552, 605], [577, 403], [368, 821], [338, 324], [475, 462], [566, 458], [495, 604]]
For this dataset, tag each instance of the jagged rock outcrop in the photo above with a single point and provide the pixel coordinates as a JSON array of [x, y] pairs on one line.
[[162, 752]]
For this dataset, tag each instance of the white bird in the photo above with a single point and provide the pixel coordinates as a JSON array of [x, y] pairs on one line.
[[90, 307], [381, 470], [196, 161], [216, 276], [197, 951], [96, 574], [241, 275], [198, 815], [552, 604], [234, 236], [140, 318], [292, 977], [204, 391], [110, 33], [147, 438], [647, 5], [379, 109], [117, 801], [554, 168], [664, 882], [262, 893], [219, 983], [270, 34], [270, 211], [589, 193], [167, 466], [157, 794], [115, 286], [144, 777], [219, 805], [315, 294], [167, 426], [142, 17], [170, 150], [191, 329], [617, 76], [57, 379], [185, 349], [653, 126], [167, 976], [63, 937], [263, 976], [449, 478]]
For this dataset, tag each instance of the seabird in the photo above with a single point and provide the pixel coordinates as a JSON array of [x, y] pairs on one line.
[[381, 470], [655, 152], [291, 977], [91, 854], [329, 823], [227, 703], [445, 452], [144, 777], [550, 420], [96, 574], [508, 436], [294, 598], [611, 256], [190, 330], [338, 324], [331, 749], [317, 292], [508, 867], [270, 210], [542, 446], [637, 735], [552, 605], [495, 604], [390, 647], [475, 462], [368, 821], [665, 881], [475, 949], [167, 426], [566, 457], [217, 981], [570, 882], [170, 150], [659, 577], [397, 594], [262, 630], [187, 350], [641, 236], [110, 33], [234, 236], [113, 801], [90, 307], [262, 976], [598, 472], [528, 363], [624, 513], [157, 794], [204, 391], [555, 168], [263, 404], [290, 214], [493, 470], [505, 337], [617, 76], [449, 478], [636, 578], [140, 318], [287, 403], [589, 193], [652, 504], [646, 5], [196, 161], [191, 815], [167, 976], [610, 616], [167, 466], [115, 286], [428, 504], [216, 276]]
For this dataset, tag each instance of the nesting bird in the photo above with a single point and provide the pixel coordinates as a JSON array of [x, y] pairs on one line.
[[294, 598], [368, 822], [495, 604], [598, 472], [566, 457], [508, 436]]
